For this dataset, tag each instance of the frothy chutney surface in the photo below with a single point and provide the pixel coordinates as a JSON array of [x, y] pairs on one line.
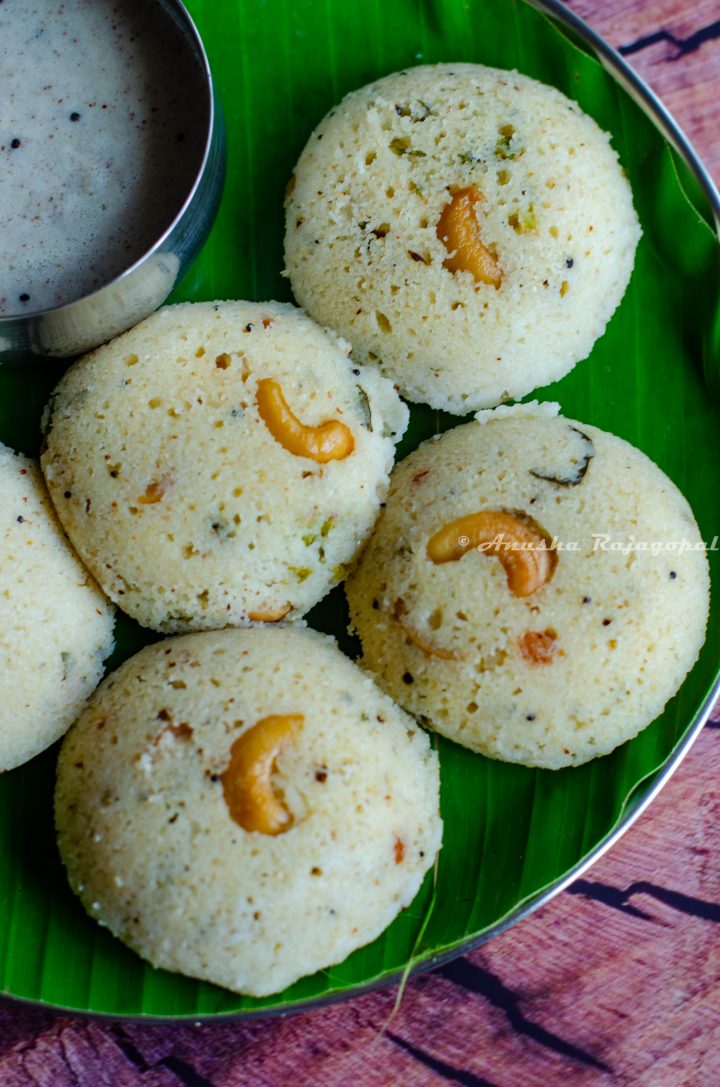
[[102, 128]]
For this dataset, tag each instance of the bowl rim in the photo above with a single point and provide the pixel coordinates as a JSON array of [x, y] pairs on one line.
[[198, 48]]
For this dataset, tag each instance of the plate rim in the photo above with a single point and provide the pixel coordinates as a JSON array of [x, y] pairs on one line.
[[648, 788], [641, 93]]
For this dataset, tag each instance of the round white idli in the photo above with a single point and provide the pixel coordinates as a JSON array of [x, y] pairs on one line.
[[167, 781], [542, 655], [541, 212], [56, 627], [220, 463]]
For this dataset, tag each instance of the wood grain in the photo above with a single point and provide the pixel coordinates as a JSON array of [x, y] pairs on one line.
[[675, 47], [616, 982]]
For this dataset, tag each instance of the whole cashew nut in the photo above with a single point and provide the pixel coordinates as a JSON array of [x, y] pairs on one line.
[[247, 785], [329, 441], [459, 232], [519, 543]]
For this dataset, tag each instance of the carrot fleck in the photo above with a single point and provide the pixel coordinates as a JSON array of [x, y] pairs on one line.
[[538, 646]]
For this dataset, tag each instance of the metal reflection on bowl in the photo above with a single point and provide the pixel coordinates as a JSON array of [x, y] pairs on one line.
[[176, 194]]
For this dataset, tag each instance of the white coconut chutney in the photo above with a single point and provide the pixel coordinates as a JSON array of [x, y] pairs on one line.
[[102, 130]]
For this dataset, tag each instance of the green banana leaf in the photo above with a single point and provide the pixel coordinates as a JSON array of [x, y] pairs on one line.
[[512, 834]]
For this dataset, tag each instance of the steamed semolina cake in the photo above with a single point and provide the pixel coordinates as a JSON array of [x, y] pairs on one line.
[[56, 627], [251, 812], [220, 463], [469, 230], [536, 589]]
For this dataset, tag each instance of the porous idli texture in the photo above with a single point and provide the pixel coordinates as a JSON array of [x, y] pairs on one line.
[[370, 251], [185, 460], [536, 589], [149, 778], [56, 627]]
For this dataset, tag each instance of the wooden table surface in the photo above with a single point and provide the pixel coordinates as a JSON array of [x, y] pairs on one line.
[[615, 983]]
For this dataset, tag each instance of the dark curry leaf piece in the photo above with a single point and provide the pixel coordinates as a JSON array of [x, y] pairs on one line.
[[578, 473]]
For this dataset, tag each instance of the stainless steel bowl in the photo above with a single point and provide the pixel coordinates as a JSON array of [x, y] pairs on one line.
[[89, 321]]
